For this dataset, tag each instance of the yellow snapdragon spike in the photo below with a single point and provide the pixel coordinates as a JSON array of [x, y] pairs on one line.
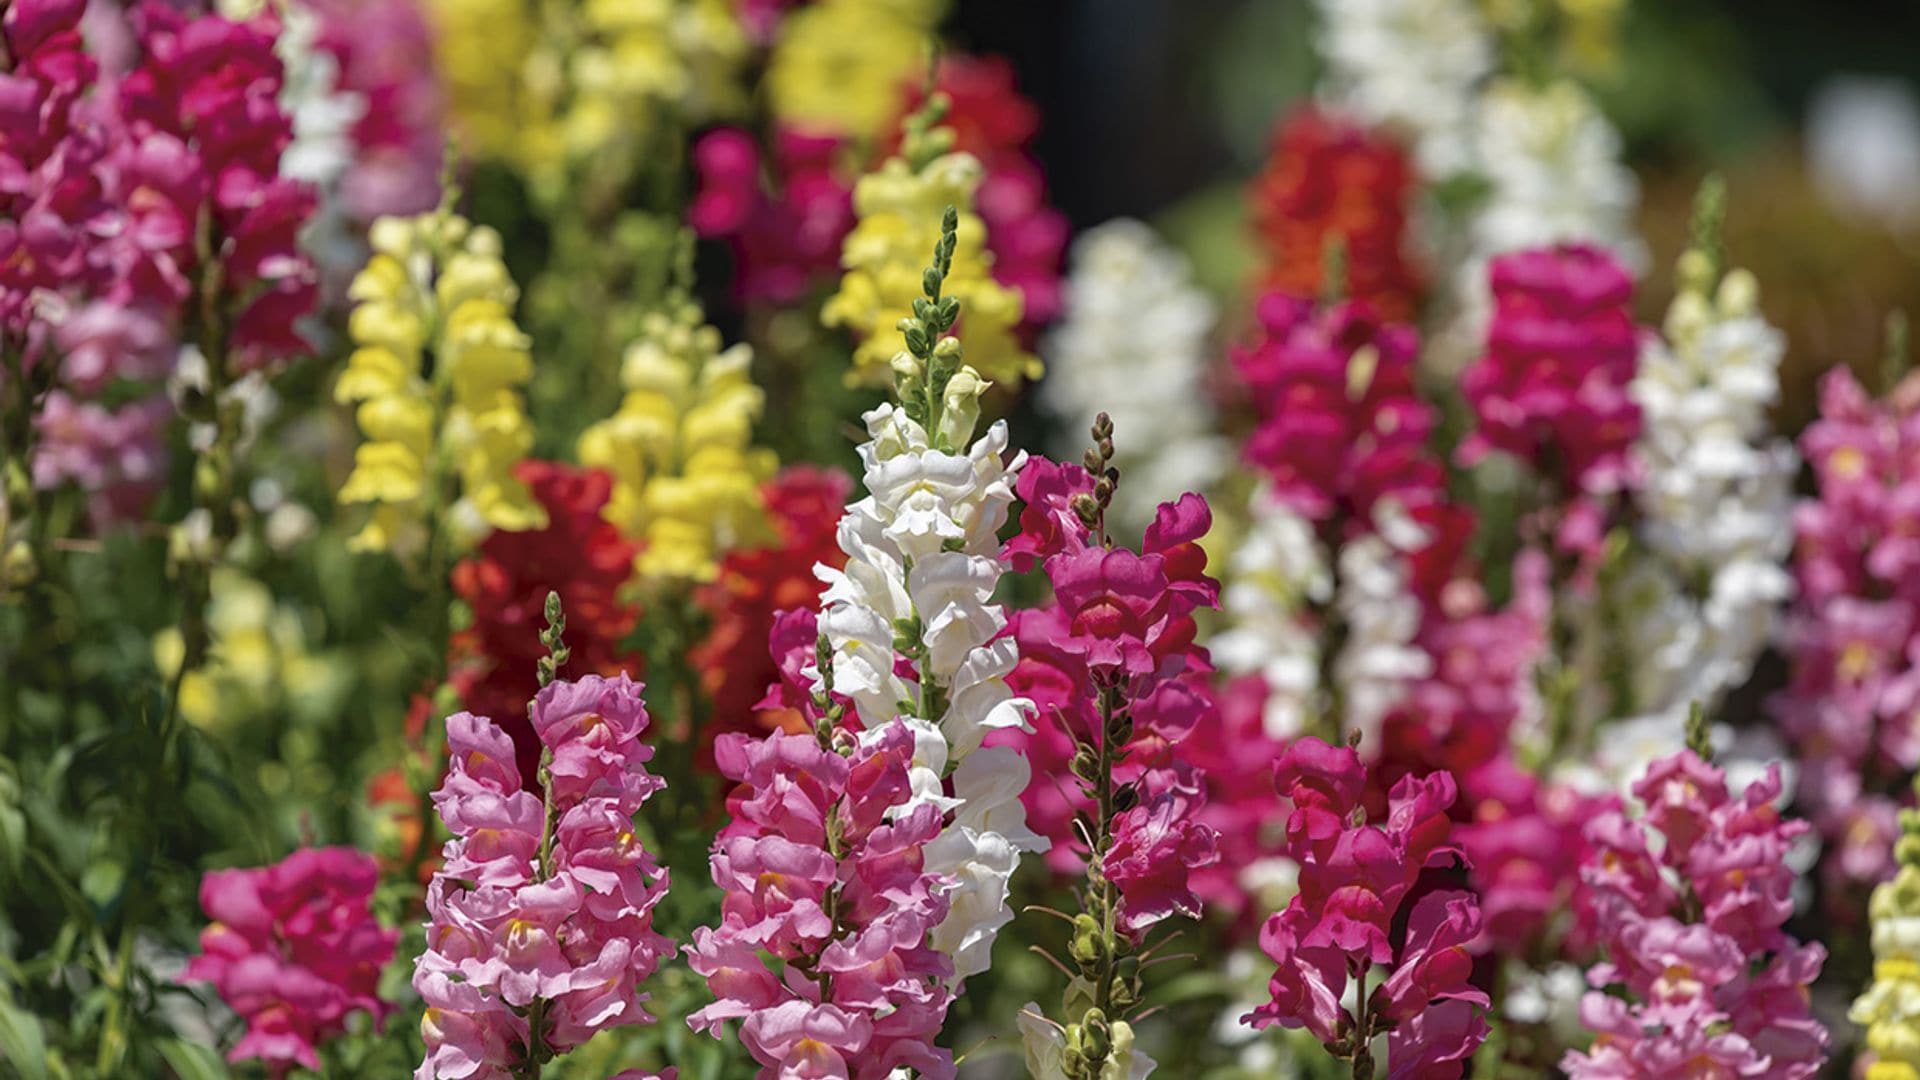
[[542, 85], [686, 475], [900, 210], [840, 65], [439, 449], [1890, 1007]]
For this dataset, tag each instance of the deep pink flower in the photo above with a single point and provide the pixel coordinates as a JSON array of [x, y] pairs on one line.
[[1157, 845], [1340, 424], [1354, 878], [1552, 387], [1561, 349], [1048, 524], [1116, 602], [1324, 783], [293, 948]]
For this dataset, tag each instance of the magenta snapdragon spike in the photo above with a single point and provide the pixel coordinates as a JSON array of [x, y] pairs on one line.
[[1340, 424], [1120, 685], [1854, 630], [1120, 625], [824, 875], [1688, 902], [204, 133], [294, 948], [1355, 878], [1552, 387], [73, 297], [540, 926]]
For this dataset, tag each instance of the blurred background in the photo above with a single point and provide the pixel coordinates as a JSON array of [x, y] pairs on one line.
[[1811, 112]]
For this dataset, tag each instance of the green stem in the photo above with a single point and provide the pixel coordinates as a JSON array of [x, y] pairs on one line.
[[1106, 896]]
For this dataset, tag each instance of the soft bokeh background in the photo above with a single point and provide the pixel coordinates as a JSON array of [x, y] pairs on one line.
[[1810, 110]]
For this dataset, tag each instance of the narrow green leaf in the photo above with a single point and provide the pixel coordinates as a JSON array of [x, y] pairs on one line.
[[21, 1043], [191, 1061]]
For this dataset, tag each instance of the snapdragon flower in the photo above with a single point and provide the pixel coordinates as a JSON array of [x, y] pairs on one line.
[[1329, 183], [1854, 627], [837, 66], [894, 831], [1354, 880], [1572, 419], [922, 561], [294, 948], [1691, 926], [1889, 1009], [547, 92], [1553, 162], [686, 473], [436, 377], [899, 206], [1715, 490], [1414, 66], [1127, 686], [540, 926], [824, 870], [1340, 439]]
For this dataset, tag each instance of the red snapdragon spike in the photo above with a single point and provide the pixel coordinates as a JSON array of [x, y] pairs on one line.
[[1327, 182]]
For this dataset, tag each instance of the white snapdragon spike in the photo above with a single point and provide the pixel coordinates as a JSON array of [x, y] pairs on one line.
[[1274, 578], [1413, 66], [922, 564], [1552, 160], [1133, 344], [1378, 660], [1715, 499]]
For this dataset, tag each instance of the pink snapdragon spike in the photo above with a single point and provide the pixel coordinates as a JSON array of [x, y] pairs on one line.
[[824, 877], [1354, 880], [1853, 633], [105, 180], [204, 130], [1120, 621], [1688, 902], [74, 285], [1552, 387], [294, 948], [561, 931], [1340, 424]]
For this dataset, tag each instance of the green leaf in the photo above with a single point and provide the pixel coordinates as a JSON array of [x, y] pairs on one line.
[[191, 1061], [21, 1043]]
